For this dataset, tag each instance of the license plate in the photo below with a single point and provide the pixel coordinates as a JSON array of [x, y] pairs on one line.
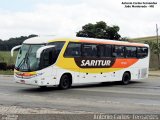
[[22, 81]]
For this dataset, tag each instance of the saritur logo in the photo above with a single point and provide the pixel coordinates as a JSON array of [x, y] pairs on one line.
[[94, 62]]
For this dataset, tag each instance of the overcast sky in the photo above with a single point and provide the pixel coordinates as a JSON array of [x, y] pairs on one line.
[[66, 17]]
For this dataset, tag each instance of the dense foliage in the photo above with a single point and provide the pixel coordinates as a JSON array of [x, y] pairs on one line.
[[100, 30], [154, 49]]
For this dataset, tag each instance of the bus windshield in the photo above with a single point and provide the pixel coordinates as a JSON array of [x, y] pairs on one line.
[[26, 58], [27, 61]]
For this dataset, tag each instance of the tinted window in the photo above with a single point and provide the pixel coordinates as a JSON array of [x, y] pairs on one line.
[[142, 52], [108, 51], [90, 50], [118, 51], [73, 50], [48, 57], [131, 52], [58, 45], [104, 50]]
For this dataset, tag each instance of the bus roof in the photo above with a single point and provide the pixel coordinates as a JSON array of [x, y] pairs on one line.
[[48, 39]]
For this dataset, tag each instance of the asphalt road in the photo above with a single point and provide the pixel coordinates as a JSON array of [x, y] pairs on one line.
[[137, 97]]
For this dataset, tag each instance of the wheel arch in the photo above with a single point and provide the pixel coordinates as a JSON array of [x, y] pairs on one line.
[[69, 75], [128, 73]]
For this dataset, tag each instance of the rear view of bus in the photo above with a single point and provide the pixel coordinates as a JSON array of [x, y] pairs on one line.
[[44, 61]]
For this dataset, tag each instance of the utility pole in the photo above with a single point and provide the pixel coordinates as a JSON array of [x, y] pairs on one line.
[[157, 46]]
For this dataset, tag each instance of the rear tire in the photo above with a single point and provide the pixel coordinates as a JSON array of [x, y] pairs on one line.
[[126, 78], [65, 82]]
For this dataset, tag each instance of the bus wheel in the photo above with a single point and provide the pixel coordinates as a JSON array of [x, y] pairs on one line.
[[126, 78], [65, 82]]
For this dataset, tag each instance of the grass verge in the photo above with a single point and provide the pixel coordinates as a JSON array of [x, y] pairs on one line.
[[6, 57], [6, 72]]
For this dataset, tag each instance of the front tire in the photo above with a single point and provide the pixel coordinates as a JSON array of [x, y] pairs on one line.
[[126, 78], [65, 82]]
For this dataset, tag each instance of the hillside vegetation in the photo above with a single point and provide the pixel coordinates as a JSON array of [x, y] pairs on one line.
[[143, 39], [7, 45], [154, 49], [5, 56]]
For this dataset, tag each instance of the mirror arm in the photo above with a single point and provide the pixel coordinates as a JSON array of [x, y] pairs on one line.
[[16, 47], [40, 50]]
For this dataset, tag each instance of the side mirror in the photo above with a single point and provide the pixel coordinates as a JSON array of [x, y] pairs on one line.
[[40, 50], [14, 48]]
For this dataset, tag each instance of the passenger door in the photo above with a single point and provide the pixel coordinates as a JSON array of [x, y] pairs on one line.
[[48, 58]]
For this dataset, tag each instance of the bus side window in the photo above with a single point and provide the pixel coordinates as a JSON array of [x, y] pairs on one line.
[[101, 50], [142, 52], [114, 54], [73, 50], [58, 45], [90, 50], [130, 52], [108, 51], [48, 57], [104, 50], [118, 51]]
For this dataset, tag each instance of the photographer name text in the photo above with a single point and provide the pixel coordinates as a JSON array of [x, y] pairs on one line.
[[139, 4]]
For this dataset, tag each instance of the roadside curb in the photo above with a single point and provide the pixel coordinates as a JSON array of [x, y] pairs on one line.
[[154, 75], [6, 75]]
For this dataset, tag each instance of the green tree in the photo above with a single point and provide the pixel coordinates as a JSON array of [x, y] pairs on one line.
[[124, 39], [155, 49], [99, 30]]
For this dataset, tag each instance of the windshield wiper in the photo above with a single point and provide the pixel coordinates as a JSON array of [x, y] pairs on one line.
[[25, 60]]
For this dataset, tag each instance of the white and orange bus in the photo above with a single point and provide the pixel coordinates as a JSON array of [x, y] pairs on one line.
[[60, 61]]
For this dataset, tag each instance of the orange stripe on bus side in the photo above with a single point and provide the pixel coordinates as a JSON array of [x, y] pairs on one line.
[[124, 63], [110, 42]]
